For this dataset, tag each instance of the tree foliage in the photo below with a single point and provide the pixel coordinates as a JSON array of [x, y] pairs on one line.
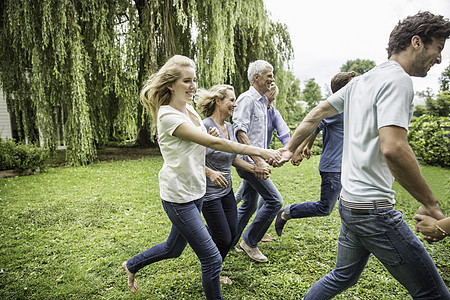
[[311, 94], [360, 66], [80, 64], [445, 79]]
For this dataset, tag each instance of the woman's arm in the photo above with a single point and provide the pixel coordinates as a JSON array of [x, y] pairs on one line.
[[189, 132]]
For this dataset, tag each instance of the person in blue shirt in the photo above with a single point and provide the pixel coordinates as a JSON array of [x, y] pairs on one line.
[[329, 166]]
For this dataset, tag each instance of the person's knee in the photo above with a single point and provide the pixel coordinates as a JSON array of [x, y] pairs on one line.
[[324, 211]]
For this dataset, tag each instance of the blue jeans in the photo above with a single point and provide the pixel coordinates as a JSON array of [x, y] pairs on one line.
[[329, 193], [265, 215], [388, 237], [187, 227], [221, 216]]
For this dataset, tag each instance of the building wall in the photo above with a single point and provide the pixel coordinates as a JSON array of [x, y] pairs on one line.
[[5, 120]]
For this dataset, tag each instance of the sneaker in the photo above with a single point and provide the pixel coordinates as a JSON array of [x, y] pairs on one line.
[[238, 250], [279, 223], [254, 253]]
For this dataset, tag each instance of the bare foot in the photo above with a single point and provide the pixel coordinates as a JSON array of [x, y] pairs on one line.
[[225, 280], [132, 283], [266, 238]]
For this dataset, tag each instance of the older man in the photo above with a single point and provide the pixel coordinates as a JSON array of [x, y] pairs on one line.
[[250, 127]]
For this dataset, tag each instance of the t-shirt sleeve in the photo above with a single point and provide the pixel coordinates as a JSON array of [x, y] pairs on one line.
[[337, 99], [169, 121], [395, 103]]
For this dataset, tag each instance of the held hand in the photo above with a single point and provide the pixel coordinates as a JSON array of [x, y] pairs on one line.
[[261, 171], [433, 211], [285, 156], [425, 225], [307, 152], [297, 158], [271, 155], [218, 178], [214, 131]]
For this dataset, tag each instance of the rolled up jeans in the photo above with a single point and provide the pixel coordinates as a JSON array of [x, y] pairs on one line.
[[187, 227]]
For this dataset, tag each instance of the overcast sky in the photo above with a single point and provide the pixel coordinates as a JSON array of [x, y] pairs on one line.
[[327, 33]]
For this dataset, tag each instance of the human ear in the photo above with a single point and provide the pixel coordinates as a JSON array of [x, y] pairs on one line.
[[416, 41]]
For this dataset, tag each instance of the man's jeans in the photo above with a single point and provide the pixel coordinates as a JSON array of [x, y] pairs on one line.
[[329, 193], [264, 217], [187, 227], [388, 237]]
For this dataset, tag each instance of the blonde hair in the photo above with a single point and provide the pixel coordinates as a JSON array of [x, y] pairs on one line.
[[155, 91], [206, 99]]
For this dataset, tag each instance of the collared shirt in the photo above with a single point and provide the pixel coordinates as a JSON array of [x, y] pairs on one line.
[[276, 121], [250, 116]]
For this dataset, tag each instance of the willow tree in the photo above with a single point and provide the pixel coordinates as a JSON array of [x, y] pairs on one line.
[[81, 63], [67, 64]]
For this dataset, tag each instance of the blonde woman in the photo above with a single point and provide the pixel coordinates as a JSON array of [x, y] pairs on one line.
[[182, 139], [219, 205]]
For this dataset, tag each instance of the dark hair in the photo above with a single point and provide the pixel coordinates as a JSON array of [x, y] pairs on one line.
[[341, 79], [424, 24]]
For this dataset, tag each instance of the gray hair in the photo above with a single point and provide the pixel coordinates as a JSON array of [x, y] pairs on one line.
[[257, 67]]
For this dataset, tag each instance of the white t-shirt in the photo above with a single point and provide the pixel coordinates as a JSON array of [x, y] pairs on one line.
[[381, 97], [182, 177]]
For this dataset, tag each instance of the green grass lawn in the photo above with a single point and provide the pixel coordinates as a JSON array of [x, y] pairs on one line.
[[65, 233]]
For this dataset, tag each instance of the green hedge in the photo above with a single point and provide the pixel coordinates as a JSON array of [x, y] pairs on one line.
[[429, 138], [18, 156]]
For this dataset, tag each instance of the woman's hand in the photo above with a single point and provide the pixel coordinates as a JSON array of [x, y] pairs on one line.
[[426, 225], [214, 131], [270, 155], [217, 178]]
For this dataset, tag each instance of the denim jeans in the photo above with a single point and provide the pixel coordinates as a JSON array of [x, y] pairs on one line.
[[265, 215], [221, 216], [329, 193], [238, 195], [388, 237], [187, 227]]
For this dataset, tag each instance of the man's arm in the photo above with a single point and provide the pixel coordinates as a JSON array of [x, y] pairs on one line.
[[306, 127], [260, 164], [404, 166]]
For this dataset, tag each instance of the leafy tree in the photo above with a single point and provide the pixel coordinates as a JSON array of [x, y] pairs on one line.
[[289, 96], [439, 107], [311, 94], [360, 66], [445, 79], [81, 63]]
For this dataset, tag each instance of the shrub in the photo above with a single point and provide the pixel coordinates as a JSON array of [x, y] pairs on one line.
[[430, 140], [18, 156]]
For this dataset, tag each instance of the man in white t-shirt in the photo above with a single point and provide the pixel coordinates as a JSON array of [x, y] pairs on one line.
[[377, 108]]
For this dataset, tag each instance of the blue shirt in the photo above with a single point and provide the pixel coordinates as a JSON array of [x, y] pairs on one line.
[[218, 161], [250, 116], [276, 121], [332, 137]]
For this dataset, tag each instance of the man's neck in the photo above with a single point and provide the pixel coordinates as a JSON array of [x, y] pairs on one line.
[[257, 89]]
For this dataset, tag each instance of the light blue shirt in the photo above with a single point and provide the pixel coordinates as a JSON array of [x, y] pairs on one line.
[[250, 116], [276, 121]]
